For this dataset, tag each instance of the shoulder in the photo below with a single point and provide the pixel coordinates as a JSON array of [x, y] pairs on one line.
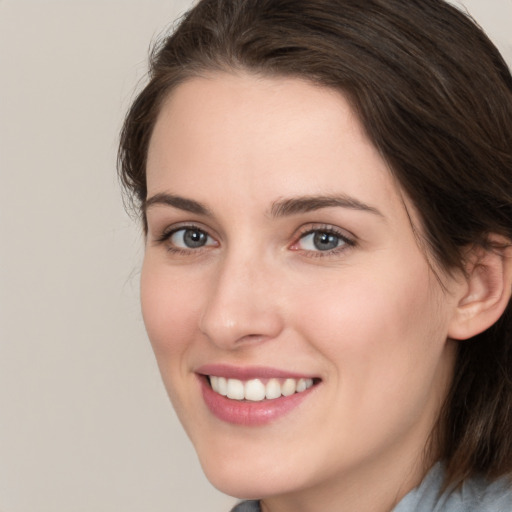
[[480, 495], [247, 506], [475, 495]]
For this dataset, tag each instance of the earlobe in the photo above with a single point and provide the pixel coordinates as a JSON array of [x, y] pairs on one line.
[[486, 290]]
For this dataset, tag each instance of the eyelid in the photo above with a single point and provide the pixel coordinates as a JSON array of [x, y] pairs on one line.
[[164, 236], [176, 243], [348, 238]]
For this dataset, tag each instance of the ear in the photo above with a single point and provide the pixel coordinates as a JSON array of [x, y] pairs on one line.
[[485, 290]]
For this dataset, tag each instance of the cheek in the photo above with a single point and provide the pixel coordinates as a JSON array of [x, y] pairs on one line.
[[170, 310], [365, 311], [383, 335], [387, 361]]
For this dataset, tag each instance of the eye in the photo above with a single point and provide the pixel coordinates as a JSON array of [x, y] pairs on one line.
[[326, 240], [190, 238], [320, 241]]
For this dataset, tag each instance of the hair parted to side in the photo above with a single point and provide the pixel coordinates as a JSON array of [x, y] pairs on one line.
[[434, 96]]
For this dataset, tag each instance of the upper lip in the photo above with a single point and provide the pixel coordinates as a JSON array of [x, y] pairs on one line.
[[249, 372]]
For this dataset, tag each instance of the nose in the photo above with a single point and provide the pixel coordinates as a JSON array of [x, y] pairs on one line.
[[242, 304]]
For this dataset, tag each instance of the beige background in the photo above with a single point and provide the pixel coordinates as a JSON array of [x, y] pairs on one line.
[[84, 421]]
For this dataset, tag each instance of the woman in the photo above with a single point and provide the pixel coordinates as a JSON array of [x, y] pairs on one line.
[[326, 192]]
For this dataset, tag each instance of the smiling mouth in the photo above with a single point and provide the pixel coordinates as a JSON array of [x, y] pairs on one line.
[[258, 390]]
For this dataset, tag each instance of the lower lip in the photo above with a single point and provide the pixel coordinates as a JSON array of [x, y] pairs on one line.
[[246, 412]]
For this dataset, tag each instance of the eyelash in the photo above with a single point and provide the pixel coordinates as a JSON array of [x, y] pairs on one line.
[[346, 242], [168, 233]]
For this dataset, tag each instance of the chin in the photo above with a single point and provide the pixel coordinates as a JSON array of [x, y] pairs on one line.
[[246, 484], [241, 488], [251, 476], [235, 472]]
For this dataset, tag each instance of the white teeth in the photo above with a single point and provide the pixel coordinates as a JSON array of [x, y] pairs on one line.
[[289, 387], [272, 389], [222, 386], [255, 390], [235, 389]]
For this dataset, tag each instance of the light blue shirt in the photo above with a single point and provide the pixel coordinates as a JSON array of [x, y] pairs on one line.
[[475, 495]]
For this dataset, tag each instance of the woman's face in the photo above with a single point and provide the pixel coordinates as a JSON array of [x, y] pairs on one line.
[[281, 262]]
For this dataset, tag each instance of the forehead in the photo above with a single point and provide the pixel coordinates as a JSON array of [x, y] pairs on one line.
[[262, 139]]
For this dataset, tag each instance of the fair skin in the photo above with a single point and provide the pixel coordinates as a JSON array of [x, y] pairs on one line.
[[243, 271]]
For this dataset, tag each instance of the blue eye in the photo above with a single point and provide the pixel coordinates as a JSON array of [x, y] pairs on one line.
[[321, 240], [190, 238]]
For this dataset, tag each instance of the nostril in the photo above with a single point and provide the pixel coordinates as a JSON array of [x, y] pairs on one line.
[[252, 338], [240, 326]]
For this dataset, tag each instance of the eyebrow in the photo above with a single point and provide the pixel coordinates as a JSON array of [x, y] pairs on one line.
[[304, 204], [182, 203], [280, 208]]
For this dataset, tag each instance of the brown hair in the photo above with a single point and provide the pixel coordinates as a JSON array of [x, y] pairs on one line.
[[435, 97]]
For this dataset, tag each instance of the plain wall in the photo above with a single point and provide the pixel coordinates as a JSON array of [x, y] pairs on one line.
[[85, 424]]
